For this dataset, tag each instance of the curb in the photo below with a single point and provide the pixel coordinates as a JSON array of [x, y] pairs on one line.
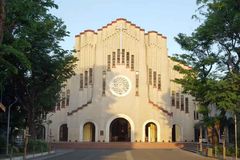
[[194, 151], [30, 156]]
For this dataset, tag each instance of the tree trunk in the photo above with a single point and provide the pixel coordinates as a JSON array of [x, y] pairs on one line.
[[210, 134], [215, 137], [2, 19], [30, 123], [216, 132]]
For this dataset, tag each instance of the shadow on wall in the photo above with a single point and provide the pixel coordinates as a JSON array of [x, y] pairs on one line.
[[114, 122]]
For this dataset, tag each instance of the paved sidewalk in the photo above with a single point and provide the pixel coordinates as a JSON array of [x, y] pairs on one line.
[[192, 147], [56, 154], [30, 156], [124, 154]]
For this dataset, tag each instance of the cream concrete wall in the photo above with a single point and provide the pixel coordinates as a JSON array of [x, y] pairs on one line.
[[89, 105], [181, 118]]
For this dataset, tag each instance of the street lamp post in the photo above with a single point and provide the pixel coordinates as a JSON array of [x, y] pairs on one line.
[[200, 140], [8, 123], [49, 135], [236, 147], [224, 144], [48, 122]]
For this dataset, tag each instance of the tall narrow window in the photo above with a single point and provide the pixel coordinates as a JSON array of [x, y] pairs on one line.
[[132, 62], [63, 99], [81, 81], [154, 79], [109, 62], [182, 102], [58, 105], [127, 59], [68, 97], [137, 83], [186, 105], [173, 98], [118, 56], [86, 79], [150, 76], [195, 115], [90, 76], [159, 81], [177, 100], [123, 56], [114, 59], [104, 83]]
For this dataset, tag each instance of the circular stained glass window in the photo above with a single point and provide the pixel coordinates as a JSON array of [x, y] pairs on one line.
[[120, 86]]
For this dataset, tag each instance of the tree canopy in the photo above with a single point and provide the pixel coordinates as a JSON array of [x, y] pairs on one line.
[[31, 46], [213, 53]]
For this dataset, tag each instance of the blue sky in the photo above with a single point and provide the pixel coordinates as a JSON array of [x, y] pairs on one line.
[[168, 17]]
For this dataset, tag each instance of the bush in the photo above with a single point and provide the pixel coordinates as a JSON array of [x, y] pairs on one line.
[[230, 151], [37, 146], [14, 149], [2, 145]]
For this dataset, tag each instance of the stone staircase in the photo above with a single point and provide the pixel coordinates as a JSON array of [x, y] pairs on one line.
[[116, 145]]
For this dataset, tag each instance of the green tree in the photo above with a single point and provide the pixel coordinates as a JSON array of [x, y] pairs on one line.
[[7, 51], [213, 52], [29, 28], [2, 18]]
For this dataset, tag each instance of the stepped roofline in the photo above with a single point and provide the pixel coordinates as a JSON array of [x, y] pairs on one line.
[[115, 21]]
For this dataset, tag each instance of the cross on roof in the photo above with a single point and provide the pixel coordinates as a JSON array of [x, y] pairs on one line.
[[120, 28]]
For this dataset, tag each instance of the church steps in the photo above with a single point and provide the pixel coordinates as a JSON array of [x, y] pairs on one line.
[[118, 145]]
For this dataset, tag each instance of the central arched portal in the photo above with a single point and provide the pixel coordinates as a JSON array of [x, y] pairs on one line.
[[120, 130]]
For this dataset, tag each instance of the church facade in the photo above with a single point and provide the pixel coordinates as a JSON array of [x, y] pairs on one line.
[[123, 90]]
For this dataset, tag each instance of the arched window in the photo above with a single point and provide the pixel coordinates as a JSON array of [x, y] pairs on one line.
[[63, 132]]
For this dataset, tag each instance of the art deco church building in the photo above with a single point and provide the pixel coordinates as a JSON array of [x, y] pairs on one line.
[[123, 90]]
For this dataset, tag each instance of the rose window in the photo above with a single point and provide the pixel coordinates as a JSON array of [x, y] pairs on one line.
[[120, 86]]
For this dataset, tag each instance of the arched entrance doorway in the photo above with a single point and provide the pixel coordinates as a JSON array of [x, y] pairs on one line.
[[176, 133], [120, 130], [89, 132], [63, 132], [41, 132], [150, 132]]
